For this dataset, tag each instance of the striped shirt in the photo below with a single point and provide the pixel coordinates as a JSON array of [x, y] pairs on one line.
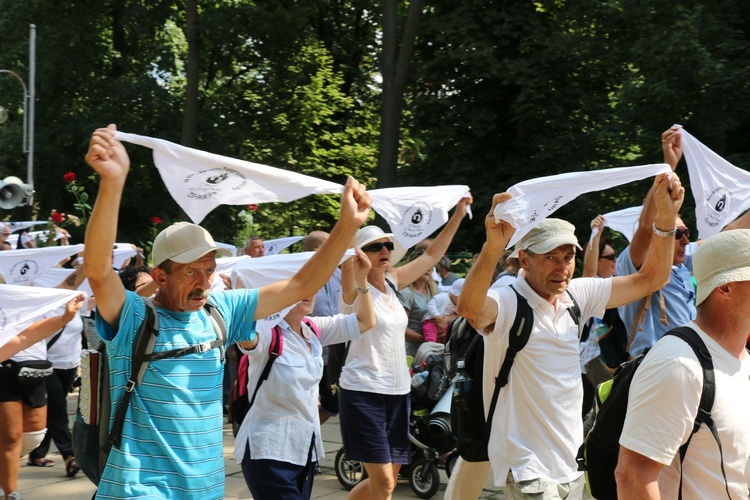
[[172, 437]]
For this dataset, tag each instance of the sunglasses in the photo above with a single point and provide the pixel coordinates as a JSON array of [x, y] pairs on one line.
[[679, 233], [376, 247], [611, 257]]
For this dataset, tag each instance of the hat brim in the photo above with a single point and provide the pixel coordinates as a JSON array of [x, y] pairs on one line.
[[549, 244], [376, 237], [728, 276], [196, 253]]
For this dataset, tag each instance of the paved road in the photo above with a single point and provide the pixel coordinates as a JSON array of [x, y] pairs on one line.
[[37, 483]]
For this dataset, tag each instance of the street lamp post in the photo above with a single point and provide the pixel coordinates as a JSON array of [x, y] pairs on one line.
[[29, 95]]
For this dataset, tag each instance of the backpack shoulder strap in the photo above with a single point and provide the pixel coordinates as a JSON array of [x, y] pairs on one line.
[[518, 336], [708, 394], [220, 328], [274, 351], [575, 312], [309, 322], [143, 344]]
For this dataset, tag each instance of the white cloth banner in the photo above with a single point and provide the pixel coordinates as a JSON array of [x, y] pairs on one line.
[[721, 190], [57, 275], [274, 247], [623, 221], [18, 225], [21, 267], [229, 247], [12, 240], [261, 271], [200, 181], [414, 213], [121, 253], [22, 305], [224, 265], [536, 199]]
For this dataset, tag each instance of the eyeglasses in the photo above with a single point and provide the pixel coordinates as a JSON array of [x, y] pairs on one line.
[[611, 257], [679, 233], [376, 247]]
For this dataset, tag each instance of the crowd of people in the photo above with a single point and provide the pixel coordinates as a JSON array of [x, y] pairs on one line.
[[365, 313]]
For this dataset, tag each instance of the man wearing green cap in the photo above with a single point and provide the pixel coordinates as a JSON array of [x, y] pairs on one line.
[[171, 444], [666, 391], [537, 427]]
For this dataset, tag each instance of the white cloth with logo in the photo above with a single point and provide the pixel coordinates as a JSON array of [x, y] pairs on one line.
[[721, 190], [536, 199], [21, 267], [261, 271], [623, 221], [22, 305], [414, 213], [200, 181], [274, 247]]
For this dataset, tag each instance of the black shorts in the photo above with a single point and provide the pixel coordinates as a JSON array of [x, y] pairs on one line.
[[33, 396]]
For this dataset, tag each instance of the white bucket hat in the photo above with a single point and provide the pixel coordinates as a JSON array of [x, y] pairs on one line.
[[721, 259], [368, 234]]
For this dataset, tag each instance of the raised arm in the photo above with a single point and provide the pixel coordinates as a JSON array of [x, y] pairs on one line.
[[591, 257], [671, 146], [358, 267], [473, 303], [41, 329], [655, 271], [107, 156], [355, 206], [409, 272]]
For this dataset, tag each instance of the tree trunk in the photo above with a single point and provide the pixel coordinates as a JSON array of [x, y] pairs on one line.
[[394, 68], [190, 110]]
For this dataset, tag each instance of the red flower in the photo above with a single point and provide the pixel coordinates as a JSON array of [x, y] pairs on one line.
[[156, 221], [69, 177], [252, 207], [57, 217]]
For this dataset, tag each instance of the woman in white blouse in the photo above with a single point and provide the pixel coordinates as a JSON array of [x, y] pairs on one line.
[[279, 440]]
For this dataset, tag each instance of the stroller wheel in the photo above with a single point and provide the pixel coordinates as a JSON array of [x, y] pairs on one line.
[[349, 472], [424, 478]]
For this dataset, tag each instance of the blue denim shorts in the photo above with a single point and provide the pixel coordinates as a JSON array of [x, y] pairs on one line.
[[375, 427]]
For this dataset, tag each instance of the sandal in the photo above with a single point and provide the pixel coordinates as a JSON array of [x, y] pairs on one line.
[[40, 462], [71, 468]]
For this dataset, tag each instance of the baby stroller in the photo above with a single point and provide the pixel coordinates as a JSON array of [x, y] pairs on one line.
[[433, 443]]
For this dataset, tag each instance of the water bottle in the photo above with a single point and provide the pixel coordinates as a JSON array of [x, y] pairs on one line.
[[419, 378], [462, 382]]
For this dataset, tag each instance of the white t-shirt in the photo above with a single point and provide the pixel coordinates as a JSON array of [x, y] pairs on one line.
[[537, 427], [65, 353], [376, 362], [662, 406]]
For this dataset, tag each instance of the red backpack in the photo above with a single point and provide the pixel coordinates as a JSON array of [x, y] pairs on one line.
[[241, 403]]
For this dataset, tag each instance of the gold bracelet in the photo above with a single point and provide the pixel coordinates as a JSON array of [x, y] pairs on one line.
[[663, 234], [362, 290]]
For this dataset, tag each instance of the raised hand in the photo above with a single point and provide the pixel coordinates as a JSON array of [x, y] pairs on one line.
[[668, 195], [498, 233], [671, 146], [107, 155], [598, 221], [355, 202], [360, 265], [463, 205], [72, 307]]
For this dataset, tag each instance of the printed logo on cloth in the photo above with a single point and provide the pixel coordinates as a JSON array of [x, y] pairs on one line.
[[3, 319], [718, 201], [23, 271], [206, 184], [416, 220], [271, 249]]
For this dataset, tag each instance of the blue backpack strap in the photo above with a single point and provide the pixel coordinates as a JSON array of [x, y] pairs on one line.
[[708, 394], [274, 351]]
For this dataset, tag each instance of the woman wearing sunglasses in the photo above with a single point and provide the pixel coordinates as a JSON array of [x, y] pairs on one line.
[[375, 382]]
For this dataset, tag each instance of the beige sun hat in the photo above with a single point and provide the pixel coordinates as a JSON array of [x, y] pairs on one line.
[[721, 259], [183, 242], [546, 236]]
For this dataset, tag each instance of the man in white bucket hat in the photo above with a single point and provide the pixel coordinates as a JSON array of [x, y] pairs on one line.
[[536, 429], [666, 390]]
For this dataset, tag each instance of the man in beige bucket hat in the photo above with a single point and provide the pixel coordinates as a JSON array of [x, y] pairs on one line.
[[172, 436], [666, 390], [537, 427]]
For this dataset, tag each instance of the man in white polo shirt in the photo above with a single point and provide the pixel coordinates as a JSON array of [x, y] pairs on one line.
[[537, 427]]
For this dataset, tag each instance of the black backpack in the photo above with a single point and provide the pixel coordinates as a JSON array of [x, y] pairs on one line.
[[463, 342], [599, 452], [92, 436]]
